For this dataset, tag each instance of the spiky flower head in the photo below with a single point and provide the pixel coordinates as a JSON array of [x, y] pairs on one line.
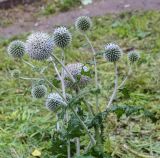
[[78, 71], [62, 37], [54, 101], [83, 23], [16, 49], [133, 56], [112, 52], [15, 73], [39, 91], [39, 46]]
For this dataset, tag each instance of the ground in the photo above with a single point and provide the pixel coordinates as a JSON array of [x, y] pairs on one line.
[[26, 125], [33, 18]]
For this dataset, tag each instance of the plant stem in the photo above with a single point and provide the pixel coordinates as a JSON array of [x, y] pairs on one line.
[[26, 62], [126, 78], [58, 125], [77, 146], [56, 69], [27, 78], [56, 89], [95, 70], [70, 75], [64, 95], [84, 126], [115, 86]]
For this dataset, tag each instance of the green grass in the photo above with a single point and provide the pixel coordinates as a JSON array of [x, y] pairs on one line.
[[53, 6], [25, 124]]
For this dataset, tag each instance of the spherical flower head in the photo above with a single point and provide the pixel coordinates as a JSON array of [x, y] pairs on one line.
[[16, 49], [112, 52], [76, 70], [39, 46], [133, 56], [83, 23], [62, 37], [54, 101], [39, 91], [15, 73]]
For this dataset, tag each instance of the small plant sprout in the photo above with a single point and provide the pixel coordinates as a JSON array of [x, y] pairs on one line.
[[54, 101], [83, 24], [39, 46], [133, 56], [39, 91], [16, 49], [15, 73], [78, 115], [62, 37]]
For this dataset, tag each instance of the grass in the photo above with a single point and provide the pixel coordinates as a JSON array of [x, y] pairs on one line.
[[25, 124]]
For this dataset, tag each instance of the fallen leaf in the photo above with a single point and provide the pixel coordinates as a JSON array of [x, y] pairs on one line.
[[36, 153]]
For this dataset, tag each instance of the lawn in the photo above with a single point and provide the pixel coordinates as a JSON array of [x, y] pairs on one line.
[[26, 125]]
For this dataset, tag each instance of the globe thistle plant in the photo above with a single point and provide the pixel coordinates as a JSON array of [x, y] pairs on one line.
[[39, 46], [16, 49], [54, 101], [39, 91], [83, 24], [62, 37], [112, 52], [75, 108], [133, 56]]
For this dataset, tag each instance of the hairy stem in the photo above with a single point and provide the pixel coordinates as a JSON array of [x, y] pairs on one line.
[[115, 87], [70, 75], [64, 95], [95, 70]]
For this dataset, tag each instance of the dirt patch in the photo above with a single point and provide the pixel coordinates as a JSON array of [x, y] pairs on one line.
[[98, 8]]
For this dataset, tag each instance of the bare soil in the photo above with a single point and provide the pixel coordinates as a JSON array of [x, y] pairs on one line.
[[25, 20]]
